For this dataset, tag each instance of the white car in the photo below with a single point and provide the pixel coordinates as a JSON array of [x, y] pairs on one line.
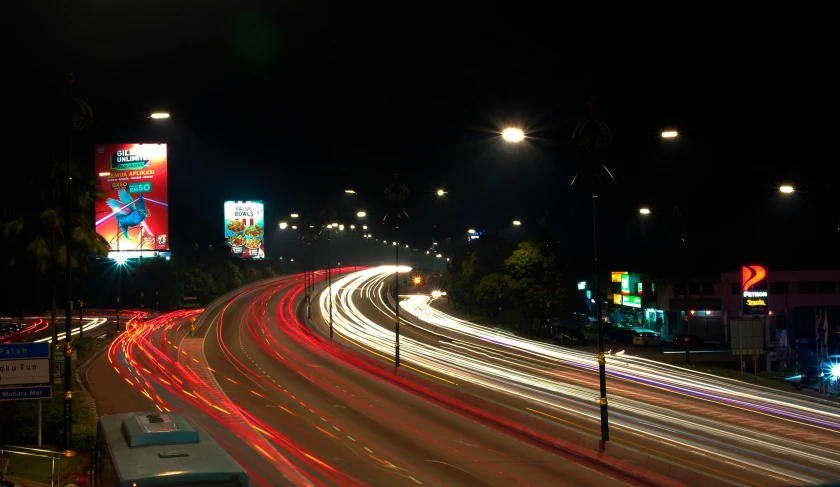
[[646, 338]]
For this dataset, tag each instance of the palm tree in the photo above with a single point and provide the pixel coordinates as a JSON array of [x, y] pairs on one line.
[[41, 228]]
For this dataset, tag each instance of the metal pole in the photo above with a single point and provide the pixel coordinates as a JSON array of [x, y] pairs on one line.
[[40, 414], [68, 324], [685, 300], [602, 361], [329, 281], [755, 353], [741, 344], [119, 286], [397, 300]]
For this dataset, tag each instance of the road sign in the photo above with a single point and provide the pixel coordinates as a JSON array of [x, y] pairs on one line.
[[14, 351], [17, 393], [24, 371]]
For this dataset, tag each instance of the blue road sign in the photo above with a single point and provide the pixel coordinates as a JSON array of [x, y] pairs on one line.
[[11, 351], [17, 393]]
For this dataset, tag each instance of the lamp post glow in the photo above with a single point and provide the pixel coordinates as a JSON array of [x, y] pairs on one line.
[[350, 191], [644, 211], [786, 189], [516, 223], [512, 134], [283, 225], [441, 192], [361, 214], [669, 134], [159, 115]]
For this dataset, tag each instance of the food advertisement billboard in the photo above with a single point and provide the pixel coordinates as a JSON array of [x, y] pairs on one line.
[[245, 228], [134, 213]]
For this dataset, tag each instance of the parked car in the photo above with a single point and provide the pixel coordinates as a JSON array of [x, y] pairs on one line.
[[569, 335], [620, 335], [694, 342], [646, 338]]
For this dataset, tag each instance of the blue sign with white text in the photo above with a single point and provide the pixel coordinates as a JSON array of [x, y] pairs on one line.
[[24, 350], [16, 393]]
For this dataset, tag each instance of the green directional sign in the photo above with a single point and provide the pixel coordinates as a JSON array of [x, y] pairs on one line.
[[143, 187]]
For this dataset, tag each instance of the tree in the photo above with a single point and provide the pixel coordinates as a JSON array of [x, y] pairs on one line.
[[41, 226], [537, 280], [490, 290]]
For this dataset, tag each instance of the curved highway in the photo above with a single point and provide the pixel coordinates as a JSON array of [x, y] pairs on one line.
[[731, 431], [296, 410]]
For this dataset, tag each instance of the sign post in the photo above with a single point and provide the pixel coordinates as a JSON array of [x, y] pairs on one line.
[[25, 374]]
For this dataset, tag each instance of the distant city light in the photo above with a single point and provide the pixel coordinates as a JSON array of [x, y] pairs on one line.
[[441, 192], [364, 227], [644, 211], [294, 227], [341, 227], [349, 191], [159, 115], [670, 134], [361, 214], [294, 215], [786, 189], [283, 225], [352, 227], [513, 134], [517, 223], [471, 231]]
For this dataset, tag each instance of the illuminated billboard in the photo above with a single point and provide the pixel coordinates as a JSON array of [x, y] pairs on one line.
[[134, 213], [754, 284], [245, 228]]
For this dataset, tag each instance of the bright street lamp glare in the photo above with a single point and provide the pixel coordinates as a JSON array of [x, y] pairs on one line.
[[294, 215], [513, 135], [644, 211], [471, 231], [349, 191], [441, 192], [361, 214], [159, 115], [283, 225], [517, 222], [670, 134], [364, 227], [786, 189]]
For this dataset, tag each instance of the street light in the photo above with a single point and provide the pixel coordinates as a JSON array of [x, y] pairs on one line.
[[294, 215], [441, 192], [516, 223], [361, 214], [644, 211], [669, 134], [159, 115], [283, 225], [786, 189], [471, 231], [349, 191], [512, 134]]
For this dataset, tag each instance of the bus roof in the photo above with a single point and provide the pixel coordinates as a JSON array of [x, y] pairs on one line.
[[152, 447]]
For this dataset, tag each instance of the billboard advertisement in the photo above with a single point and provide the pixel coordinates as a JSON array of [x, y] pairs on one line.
[[245, 228], [134, 213], [754, 284]]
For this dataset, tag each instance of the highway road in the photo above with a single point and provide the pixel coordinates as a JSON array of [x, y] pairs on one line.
[[736, 432], [294, 411], [340, 424]]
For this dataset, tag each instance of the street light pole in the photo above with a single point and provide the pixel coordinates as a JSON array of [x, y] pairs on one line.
[[602, 361], [397, 301], [329, 280]]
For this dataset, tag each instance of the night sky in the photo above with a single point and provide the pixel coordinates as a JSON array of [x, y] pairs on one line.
[[294, 104]]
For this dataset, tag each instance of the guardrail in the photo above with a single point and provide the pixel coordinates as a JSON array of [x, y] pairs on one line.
[[53, 457]]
